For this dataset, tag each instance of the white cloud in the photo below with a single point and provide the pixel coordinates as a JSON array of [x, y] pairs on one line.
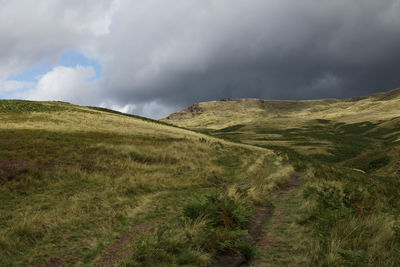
[[93, 17], [155, 109], [10, 86], [152, 109], [33, 31], [67, 84], [159, 55]]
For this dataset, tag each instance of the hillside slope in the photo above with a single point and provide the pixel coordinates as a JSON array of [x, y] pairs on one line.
[[89, 186], [228, 112], [347, 209], [334, 130]]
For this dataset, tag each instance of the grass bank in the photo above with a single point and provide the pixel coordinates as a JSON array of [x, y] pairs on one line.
[[82, 186]]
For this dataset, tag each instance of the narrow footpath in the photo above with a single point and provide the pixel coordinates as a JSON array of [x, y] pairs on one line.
[[266, 237], [280, 238]]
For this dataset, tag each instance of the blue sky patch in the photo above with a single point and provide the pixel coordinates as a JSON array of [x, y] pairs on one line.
[[34, 73], [72, 59], [68, 59]]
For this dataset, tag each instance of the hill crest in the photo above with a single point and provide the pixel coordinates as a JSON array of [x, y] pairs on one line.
[[226, 112]]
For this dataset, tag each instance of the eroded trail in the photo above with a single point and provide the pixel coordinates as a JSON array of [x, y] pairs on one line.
[[255, 228], [264, 212], [276, 242]]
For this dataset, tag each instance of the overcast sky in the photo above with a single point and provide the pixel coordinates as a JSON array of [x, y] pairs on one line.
[[153, 57]]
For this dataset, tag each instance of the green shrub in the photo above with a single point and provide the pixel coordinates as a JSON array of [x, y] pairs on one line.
[[327, 197], [370, 163], [227, 219], [177, 243], [352, 257], [221, 210], [20, 106]]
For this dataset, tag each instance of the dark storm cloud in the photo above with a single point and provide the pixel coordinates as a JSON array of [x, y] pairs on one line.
[[266, 49], [159, 56]]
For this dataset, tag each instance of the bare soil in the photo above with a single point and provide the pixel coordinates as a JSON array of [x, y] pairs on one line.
[[255, 228]]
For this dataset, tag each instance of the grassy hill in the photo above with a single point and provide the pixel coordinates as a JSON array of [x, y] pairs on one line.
[[347, 210], [229, 112], [313, 127], [91, 186], [298, 183]]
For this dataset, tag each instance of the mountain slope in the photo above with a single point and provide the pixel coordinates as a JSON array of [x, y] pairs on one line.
[[228, 112], [89, 186], [347, 209], [335, 130]]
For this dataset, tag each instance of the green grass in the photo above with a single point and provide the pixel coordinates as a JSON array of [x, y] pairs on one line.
[[80, 183], [73, 182], [283, 244], [231, 128], [342, 141], [350, 216], [340, 217], [131, 116], [347, 211], [23, 106], [212, 222]]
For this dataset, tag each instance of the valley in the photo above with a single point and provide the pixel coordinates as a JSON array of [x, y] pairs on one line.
[[91, 186], [347, 208], [265, 183]]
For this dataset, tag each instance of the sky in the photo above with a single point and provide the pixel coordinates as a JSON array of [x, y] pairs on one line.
[[154, 57]]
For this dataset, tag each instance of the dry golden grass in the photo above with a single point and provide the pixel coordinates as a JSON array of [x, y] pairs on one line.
[[349, 151], [79, 178], [221, 114]]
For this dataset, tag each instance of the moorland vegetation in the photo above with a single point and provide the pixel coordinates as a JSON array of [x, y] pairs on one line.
[[347, 210], [89, 186], [238, 181]]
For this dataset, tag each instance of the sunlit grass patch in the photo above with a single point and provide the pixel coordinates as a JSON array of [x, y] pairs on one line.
[[349, 152], [73, 181], [23, 106]]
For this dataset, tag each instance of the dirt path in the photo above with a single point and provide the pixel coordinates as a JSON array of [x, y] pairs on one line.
[[119, 250], [268, 239], [255, 233], [294, 182]]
